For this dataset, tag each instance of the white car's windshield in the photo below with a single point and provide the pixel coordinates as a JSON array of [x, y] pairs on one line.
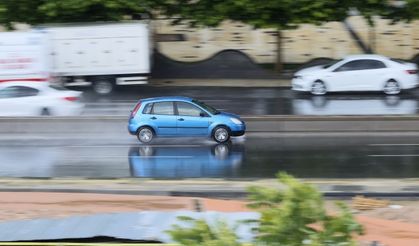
[[57, 87], [331, 64]]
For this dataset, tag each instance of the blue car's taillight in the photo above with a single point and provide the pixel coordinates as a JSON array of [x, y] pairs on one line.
[[135, 110]]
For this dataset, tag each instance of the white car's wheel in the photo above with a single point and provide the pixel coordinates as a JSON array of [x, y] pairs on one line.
[[318, 88], [45, 112], [392, 87]]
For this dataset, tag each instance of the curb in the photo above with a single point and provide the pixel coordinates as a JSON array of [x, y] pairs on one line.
[[257, 83], [220, 188], [275, 123], [215, 194]]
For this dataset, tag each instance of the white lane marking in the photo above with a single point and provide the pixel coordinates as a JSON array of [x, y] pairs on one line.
[[124, 156], [413, 155], [395, 144], [163, 157], [131, 145]]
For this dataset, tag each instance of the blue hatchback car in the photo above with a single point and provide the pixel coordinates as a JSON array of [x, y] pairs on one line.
[[182, 116]]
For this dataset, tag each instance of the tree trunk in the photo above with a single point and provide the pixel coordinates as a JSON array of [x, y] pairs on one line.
[[278, 64], [372, 39]]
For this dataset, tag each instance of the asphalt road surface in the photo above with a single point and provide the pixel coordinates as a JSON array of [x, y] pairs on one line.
[[260, 101], [251, 157]]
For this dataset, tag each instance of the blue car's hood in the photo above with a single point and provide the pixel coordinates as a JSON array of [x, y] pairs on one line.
[[229, 115]]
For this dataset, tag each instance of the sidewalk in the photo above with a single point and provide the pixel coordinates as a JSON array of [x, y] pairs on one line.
[[211, 188], [222, 82]]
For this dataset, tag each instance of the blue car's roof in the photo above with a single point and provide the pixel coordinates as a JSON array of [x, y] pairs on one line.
[[167, 98]]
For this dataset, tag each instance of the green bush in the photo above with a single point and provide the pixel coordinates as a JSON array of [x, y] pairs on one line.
[[292, 216], [200, 233]]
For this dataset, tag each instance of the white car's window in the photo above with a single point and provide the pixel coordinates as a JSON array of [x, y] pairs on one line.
[[187, 109], [361, 65], [163, 108], [57, 87], [373, 64], [18, 91], [7, 92], [331, 63]]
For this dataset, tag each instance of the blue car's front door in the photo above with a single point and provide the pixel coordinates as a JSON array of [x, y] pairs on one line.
[[163, 116], [191, 120]]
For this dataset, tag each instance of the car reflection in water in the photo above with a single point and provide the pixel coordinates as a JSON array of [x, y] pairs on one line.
[[388, 105], [189, 161]]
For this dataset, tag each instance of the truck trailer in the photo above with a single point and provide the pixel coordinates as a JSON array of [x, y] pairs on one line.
[[101, 55]]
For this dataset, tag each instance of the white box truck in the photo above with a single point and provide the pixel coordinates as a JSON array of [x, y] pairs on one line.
[[102, 55], [24, 56]]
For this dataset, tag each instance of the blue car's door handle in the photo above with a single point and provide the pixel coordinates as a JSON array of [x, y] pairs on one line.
[[181, 119], [153, 118]]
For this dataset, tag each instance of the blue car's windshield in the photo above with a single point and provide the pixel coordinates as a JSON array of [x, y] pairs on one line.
[[206, 107]]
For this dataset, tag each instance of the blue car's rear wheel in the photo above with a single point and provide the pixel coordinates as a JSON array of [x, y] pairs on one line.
[[221, 134], [145, 134]]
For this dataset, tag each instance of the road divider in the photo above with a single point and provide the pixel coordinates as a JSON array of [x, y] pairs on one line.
[[280, 124]]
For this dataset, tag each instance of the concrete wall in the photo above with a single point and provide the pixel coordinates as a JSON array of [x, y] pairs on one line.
[[281, 124], [299, 45]]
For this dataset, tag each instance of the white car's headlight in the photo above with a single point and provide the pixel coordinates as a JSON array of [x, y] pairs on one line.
[[236, 121]]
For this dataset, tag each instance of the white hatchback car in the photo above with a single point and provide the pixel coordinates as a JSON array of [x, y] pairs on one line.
[[23, 98], [358, 73]]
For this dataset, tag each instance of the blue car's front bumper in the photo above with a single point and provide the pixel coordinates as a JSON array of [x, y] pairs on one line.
[[237, 130]]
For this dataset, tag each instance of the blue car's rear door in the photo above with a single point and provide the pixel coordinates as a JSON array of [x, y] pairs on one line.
[[163, 116]]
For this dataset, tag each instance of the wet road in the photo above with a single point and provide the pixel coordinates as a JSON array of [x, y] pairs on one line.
[[261, 101], [247, 157]]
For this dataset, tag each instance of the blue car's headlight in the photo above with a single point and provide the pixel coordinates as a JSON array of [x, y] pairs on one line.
[[236, 121]]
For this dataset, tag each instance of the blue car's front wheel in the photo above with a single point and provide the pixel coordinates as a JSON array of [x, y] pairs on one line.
[[221, 134], [145, 134]]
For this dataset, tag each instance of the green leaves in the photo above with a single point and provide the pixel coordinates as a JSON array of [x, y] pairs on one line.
[[291, 216], [200, 233], [290, 221], [280, 14], [54, 11]]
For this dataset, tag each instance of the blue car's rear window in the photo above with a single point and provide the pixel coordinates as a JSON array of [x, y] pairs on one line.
[[147, 108]]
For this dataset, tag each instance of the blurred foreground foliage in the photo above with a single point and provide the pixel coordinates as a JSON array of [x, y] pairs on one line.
[[292, 216]]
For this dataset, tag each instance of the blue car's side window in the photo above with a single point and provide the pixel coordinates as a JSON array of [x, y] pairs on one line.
[[148, 108], [187, 109], [163, 108]]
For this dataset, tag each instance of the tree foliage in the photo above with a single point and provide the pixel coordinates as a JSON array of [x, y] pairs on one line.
[[59, 11], [268, 13], [279, 14], [292, 216], [296, 216], [283, 14], [200, 233]]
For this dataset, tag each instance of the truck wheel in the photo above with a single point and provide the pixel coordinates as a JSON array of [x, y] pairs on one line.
[[103, 86]]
